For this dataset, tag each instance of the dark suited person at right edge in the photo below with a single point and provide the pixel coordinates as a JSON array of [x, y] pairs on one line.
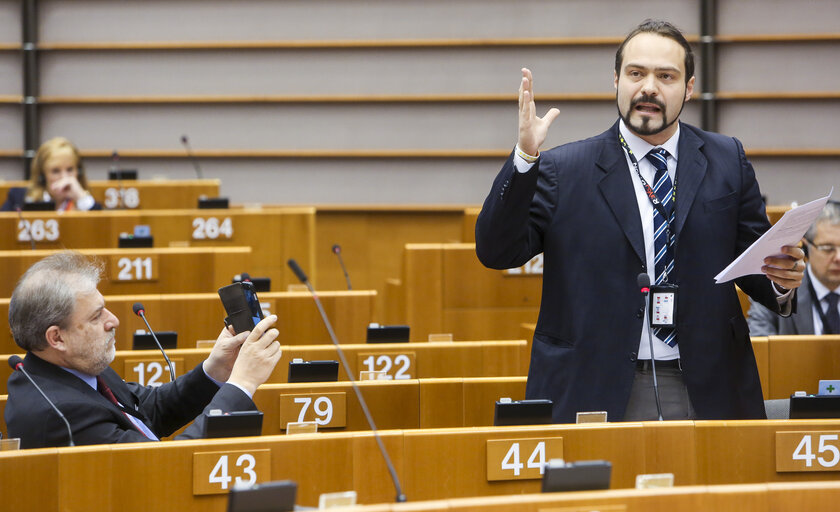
[[817, 308], [650, 195]]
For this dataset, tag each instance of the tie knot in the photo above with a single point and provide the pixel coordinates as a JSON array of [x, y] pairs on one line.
[[659, 158], [832, 299]]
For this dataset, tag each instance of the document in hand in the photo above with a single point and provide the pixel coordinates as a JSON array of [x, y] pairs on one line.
[[789, 230]]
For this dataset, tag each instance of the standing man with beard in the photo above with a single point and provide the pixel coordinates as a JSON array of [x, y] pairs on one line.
[[650, 195], [59, 317]]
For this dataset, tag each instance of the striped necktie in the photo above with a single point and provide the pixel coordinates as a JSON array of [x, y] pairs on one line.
[[664, 258]]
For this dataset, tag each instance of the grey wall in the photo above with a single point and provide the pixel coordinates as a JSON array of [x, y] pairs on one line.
[[405, 71]]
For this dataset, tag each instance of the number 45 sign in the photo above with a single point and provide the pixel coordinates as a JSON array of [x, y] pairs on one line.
[[807, 451]]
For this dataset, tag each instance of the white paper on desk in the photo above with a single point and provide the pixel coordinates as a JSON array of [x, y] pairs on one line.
[[789, 230]]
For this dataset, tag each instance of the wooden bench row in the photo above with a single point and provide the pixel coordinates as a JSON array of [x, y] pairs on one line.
[[812, 496], [274, 235], [432, 464], [142, 194], [132, 272], [200, 316], [398, 360]]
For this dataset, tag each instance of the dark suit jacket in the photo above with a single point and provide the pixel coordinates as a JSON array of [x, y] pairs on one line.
[[578, 207], [763, 322], [96, 420], [17, 196]]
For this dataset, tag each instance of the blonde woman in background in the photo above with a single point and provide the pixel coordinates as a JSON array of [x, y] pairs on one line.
[[56, 175]]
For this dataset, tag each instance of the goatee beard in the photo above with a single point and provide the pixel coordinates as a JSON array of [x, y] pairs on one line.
[[645, 128]]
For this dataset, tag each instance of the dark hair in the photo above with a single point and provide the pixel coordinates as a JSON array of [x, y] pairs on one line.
[[660, 28]]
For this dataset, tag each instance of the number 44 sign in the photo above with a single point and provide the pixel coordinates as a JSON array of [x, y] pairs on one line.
[[521, 459]]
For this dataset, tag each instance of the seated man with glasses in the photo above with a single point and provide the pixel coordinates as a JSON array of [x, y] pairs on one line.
[[818, 311]]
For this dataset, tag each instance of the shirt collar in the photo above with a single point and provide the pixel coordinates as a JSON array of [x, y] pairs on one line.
[[641, 147], [820, 289], [88, 379]]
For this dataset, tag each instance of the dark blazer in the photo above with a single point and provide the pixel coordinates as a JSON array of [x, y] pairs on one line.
[[578, 207], [95, 420], [763, 322], [17, 196]]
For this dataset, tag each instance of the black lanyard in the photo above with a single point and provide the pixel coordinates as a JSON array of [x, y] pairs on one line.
[[818, 305], [657, 204]]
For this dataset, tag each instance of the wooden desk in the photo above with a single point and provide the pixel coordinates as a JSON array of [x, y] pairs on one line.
[[274, 234], [400, 404], [372, 238], [432, 464], [137, 271], [141, 194], [445, 289], [811, 496], [423, 361], [797, 363], [200, 316]]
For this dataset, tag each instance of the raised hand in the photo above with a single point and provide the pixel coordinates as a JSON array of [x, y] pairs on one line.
[[532, 129]]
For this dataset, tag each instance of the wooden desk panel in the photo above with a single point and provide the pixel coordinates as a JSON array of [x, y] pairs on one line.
[[372, 240], [151, 194], [745, 451], [274, 234], [183, 269], [21, 491], [200, 316], [432, 464], [797, 363], [400, 404], [446, 289], [432, 360], [761, 349], [3, 430]]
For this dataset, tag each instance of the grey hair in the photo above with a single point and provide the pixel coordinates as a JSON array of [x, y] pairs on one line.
[[46, 295], [829, 214]]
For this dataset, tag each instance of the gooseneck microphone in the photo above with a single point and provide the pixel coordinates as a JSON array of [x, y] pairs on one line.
[[643, 281], [303, 279], [17, 364], [186, 143], [336, 249], [140, 311], [27, 226]]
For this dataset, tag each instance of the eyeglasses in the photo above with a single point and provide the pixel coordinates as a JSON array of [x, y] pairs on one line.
[[826, 249]]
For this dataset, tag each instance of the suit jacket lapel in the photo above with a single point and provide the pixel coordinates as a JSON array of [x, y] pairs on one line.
[[691, 169], [803, 320], [617, 189]]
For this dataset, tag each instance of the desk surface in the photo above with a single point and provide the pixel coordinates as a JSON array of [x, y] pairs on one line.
[[431, 464]]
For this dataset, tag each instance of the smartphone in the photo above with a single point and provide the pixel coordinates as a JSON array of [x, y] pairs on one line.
[[241, 305]]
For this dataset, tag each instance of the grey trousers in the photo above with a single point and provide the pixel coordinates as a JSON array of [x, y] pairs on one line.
[[672, 393]]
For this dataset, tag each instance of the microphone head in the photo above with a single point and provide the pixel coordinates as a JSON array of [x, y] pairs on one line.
[[115, 155], [336, 249], [245, 277], [643, 281], [15, 361], [138, 309], [297, 270], [184, 140]]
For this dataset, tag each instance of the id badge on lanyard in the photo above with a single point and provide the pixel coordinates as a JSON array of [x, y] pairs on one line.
[[663, 305]]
